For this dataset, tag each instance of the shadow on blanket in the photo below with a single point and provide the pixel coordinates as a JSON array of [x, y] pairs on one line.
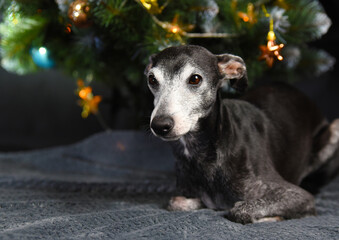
[[115, 185]]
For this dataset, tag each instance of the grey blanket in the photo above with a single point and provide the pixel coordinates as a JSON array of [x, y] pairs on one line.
[[115, 185]]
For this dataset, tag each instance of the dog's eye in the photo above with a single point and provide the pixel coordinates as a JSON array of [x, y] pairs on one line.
[[195, 79], [152, 80]]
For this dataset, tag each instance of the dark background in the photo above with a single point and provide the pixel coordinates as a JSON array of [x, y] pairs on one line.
[[324, 90], [40, 110]]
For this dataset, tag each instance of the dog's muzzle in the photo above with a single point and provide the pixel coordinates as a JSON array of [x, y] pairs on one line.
[[162, 125]]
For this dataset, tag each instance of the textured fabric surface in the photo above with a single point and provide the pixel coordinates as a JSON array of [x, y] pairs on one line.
[[115, 185]]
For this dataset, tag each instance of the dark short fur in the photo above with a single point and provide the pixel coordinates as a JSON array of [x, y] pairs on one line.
[[250, 154]]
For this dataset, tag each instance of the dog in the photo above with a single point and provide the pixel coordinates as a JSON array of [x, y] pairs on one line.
[[247, 155]]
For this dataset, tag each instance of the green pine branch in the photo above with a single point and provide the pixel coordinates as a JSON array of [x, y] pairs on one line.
[[122, 34]]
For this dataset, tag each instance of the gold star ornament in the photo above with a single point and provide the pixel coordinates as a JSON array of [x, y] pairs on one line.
[[88, 101], [271, 51]]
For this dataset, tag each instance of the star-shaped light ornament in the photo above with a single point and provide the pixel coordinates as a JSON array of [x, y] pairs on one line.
[[271, 51], [88, 101]]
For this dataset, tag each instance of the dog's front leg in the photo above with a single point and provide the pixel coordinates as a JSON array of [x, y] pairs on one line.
[[186, 189], [282, 202], [180, 203]]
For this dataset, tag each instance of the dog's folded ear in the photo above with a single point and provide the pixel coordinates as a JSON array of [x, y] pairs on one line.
[[233, 69], [150, 64]]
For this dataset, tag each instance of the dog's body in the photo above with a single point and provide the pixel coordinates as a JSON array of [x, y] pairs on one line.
[[246, 155]]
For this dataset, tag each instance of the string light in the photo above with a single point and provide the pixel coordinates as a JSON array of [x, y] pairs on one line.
[[78, 7], [41, 56], [152, 6], [250, 16], [88, 101], [271, 50], [175, 29], [182, 31], [42, 50]]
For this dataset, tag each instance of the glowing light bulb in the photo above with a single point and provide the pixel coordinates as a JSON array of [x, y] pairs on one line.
[[42, 57], [175, 29], [78, 7], [42, 50]]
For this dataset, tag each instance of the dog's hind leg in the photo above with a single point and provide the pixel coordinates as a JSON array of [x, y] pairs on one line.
[[332, 143], [325, 164], [281, 200]]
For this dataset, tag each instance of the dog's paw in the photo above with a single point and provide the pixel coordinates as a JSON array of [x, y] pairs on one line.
[[240, 213], [251, 212], [269, 219], [181, 203]]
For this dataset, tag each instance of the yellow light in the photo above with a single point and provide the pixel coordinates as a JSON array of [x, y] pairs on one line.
[[146, 5], [76, 14], [175, 29], [86, 93], [273, 48], [42, 50], [271, 36], [280, 58], [82, 94], [88, 102], [243, 16], [78, 7]]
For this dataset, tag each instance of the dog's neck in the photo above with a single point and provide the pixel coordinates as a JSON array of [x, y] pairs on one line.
[[201, 144]]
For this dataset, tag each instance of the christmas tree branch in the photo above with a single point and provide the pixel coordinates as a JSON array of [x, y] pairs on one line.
[[261, 2], [211, 35], [114, 11], [168, 26]]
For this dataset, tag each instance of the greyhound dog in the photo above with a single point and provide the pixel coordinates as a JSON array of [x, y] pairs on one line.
[[245, 155]]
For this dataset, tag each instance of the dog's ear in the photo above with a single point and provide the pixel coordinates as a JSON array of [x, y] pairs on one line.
[[233, 69], [150, 64]]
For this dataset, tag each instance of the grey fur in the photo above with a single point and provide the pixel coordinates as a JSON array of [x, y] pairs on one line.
[[242, 155]]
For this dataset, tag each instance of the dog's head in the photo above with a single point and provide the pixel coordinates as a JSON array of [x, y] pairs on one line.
[[184, 81]]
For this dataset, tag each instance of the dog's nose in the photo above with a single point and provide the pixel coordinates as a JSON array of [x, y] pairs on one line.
[[162, 125]]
